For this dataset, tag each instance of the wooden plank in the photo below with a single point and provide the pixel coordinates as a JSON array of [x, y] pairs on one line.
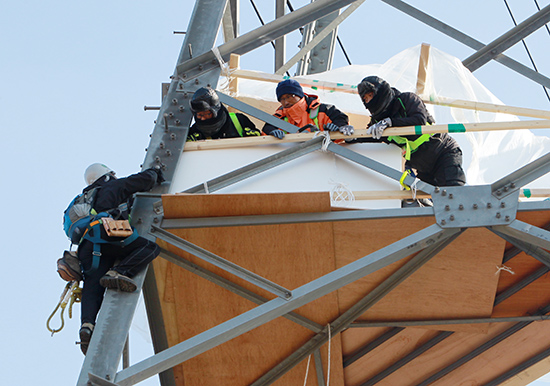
[[422, 68], [290, 255], [220, 205], [459, 282]]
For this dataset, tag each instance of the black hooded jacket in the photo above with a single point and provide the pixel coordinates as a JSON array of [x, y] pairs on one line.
[[407, 109], [227, 128]]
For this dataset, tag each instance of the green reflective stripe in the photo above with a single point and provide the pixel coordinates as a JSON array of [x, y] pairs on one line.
[[410, 146], [527, 193], [93, 212], [313, 114], [236, 123], [456, 128], [418, 130]]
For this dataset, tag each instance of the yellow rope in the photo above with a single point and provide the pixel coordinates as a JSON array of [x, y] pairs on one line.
[[73, 293]]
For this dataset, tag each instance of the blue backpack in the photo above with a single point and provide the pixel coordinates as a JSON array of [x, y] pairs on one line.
[[79, 214]]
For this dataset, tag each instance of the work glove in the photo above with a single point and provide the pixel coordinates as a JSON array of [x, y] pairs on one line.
[[160, 176], [277, 133], [331, 127], [378, 128], [346, 129]]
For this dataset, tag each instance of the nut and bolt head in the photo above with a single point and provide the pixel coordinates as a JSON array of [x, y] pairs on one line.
[[498, 214], [444, 192], [436, 189], [175, 101], [489, 205], [172, 136], [502, 205], [513, 185], [156, 220], [447, 207], [507, 218], [182, 109], [498, 192], [443, 222], [506, 188], [475, 206], [450, 196], [452, 217], [168, 153], [461, 207]]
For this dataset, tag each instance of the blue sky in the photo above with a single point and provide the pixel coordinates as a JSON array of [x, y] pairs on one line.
[[74, 77]]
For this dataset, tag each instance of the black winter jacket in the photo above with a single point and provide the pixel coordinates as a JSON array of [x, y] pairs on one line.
[[114, 192], [407, 109]]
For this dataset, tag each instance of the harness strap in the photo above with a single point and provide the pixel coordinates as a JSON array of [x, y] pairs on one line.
[[410, 146], [236, 123]]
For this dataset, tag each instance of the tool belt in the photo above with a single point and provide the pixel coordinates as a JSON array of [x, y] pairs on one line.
[[117, 228]]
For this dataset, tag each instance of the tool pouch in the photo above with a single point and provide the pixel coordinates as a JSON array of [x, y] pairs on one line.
[[117, 228]]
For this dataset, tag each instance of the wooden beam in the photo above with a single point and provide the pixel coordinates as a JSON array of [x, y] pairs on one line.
[[362, 133], [439, 100], [422, 68]]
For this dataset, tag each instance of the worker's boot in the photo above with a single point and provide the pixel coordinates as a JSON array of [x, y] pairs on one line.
[[115, 280], [85, 333]]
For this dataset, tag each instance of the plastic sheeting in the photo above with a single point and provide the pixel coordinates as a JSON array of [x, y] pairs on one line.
[[488, 156]]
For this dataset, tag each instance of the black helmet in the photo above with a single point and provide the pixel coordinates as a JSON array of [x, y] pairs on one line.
[[383, 94], [205, 99]]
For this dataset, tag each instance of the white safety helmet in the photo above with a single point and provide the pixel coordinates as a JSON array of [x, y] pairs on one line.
[[96, 171]]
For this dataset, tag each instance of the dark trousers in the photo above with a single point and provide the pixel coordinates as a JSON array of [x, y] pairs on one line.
[[132, 259], [447, 170]]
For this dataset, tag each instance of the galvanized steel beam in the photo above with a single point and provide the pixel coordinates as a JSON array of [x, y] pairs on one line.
[[350, 359], [167, 142], [443, 322], [260, 36], [507, 40], [235, 288], [527, 232], [220, 262], [468, 41]]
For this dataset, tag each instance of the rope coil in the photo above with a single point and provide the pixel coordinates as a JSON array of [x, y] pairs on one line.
[[71, 294]]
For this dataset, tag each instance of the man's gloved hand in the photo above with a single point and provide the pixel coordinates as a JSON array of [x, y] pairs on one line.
[[346, 129], [331, 127], [378, 128], [160, 176], [278, 133]]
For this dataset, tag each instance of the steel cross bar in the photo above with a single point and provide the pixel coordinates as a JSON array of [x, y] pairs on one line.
[[235, 288], [507, 40], [259, 166], [527, 232], [521, 177], [371, 345], [257, 113], [262, 35], [442, 322], [344, 320], [467, 40], [222, 263], [481, 349], [378, 167], [532, 250], [319, 37], [294, 218], [520, 285], [319, 368], [278, 307], [520, 368]]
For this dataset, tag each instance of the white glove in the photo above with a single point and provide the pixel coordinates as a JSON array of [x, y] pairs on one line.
[[346, 129], [378, 128]]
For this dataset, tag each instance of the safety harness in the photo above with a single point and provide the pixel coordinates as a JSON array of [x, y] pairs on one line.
[[93, 234], [408, 145]]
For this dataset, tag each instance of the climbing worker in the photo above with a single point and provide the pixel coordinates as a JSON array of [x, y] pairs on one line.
[[213, 121], [306, 111], [437, 158], [107, 259]]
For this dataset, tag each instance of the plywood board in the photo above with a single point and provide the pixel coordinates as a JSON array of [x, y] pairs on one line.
[[459, 282], [290, 255]]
